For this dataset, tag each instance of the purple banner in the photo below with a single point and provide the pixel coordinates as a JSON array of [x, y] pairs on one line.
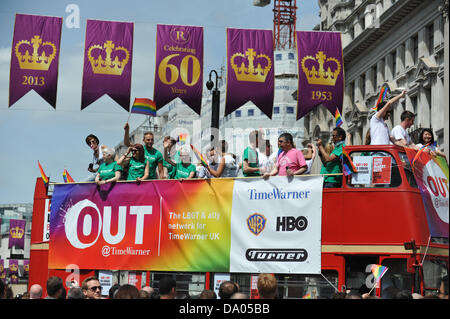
[[13, 271], [35, 57], [320, 71], [17, 233], [108, 55], [2, 270], [250, 69], [179, 65]]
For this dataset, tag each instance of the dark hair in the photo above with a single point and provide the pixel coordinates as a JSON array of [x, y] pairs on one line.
[[75, 293], [227, 289], [112, 290], [288, 137], [208, 294], [381, 105], [140, 148], [54, 285], [340, 132], [407, 115], [127, 292], [166, 284], [90, 137], [421, 141]]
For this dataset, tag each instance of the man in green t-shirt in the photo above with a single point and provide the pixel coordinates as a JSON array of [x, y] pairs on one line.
[[183, 167], [250, 162], [332, 162], [152, 155]]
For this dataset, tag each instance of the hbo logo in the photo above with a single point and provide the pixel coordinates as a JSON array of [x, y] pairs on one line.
[[290, 223]]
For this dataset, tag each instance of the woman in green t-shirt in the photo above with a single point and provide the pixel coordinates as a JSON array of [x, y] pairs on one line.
[[109, 171], [138, 166]]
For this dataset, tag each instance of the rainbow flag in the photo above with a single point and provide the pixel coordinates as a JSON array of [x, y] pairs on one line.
[[347, 164], [199, 156], [382, 97], [67, 178], [144, 106], [307, 296], [44, 177], [181, 139], [378, 271], [338, 118]]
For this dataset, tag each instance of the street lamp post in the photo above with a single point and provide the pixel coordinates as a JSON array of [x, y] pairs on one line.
[[215, 108]]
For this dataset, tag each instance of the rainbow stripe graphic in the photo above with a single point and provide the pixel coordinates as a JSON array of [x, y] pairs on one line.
[[382, 97], [181, 139], [199, 156], [378, 271], [44, 177], [67, 178], [144, 106], [338, 118], [348, 166]]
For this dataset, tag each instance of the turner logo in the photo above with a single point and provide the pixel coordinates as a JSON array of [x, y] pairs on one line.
[[278, 255], [93, 225]]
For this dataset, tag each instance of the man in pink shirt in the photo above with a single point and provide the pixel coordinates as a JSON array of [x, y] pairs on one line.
[[290, 161]]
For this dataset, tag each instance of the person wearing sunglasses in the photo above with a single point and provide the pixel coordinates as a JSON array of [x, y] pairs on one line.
[[91, 288]]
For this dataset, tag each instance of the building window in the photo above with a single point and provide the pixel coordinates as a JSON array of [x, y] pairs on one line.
[[291, 56], [430, 35], [362, 86], [250, 112], [278, 57], [276, 110], [237, 113], [415, 49], [290, 110], [394, 63]]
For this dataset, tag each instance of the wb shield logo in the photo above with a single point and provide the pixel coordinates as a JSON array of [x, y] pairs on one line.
[[256, 223]]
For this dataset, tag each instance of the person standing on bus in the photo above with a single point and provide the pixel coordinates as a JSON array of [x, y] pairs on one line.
[[183, 168], [290, 161], [250, 161], [332, 162], [138, 166], [152, 155], [109, 171], [399, 132], [379, 131]]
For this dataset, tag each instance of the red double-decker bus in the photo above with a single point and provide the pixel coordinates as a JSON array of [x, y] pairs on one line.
[[363, 223]]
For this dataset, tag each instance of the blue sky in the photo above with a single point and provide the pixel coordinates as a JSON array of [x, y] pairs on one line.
[[31, 130]]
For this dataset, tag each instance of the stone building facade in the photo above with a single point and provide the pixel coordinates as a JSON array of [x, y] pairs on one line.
[[402, 43]]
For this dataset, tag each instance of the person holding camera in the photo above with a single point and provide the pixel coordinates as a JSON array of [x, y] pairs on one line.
[[138, 166]]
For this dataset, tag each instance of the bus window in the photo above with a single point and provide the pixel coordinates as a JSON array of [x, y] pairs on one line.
[[294, 286], [433, 270], [396, 276], [358, 276], [408, 170], [371, 174]]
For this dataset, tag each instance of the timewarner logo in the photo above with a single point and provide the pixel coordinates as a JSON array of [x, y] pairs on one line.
[[278, 255]]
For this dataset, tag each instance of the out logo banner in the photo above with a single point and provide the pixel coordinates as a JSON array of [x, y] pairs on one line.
[[431, 174], [217, 225]]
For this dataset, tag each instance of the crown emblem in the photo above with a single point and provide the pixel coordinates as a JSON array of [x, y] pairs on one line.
[[108, 66], [250, 74], [321, 77], [13, 267], [256, 223], [16, 232], [34, 61]]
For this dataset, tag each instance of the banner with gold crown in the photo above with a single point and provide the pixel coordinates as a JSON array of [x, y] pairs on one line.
[[179, 65], [108, 54], [250, 71], [13, 271], [320, 71], [16, 233], [34, 57]]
